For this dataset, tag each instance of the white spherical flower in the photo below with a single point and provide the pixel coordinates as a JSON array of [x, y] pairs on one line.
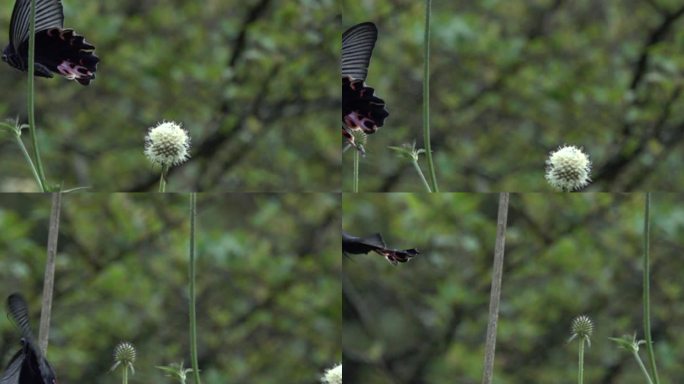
[[333, 375], [567, 169], [167, 144]]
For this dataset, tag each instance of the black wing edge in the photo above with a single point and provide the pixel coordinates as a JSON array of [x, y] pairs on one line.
[[11, 374], [49, 14], [17, 310], [357, 48]]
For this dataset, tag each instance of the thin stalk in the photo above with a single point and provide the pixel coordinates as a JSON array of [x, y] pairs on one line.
[[49, 279], [24, 152], [495, 295], [420, 173], [193, 314], [426, 98], [31, 96], [125, 375], [162, 178], [642, 366], [355, 184], [647, 290], [580, 370]]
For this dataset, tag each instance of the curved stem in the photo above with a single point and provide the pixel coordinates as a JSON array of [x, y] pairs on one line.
[[422, 177], [647, 289], [193, 315], [426, 98], [24, 152], [643, 367], [355, 184], [31, 96]]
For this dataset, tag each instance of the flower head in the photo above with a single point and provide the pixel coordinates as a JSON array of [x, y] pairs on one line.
[[582, 328], [628, 342], [567, 169], [124, 355], [333, 375], [167, 144], [409, 151]]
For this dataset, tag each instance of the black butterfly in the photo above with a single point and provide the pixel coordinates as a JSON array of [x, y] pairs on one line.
[[361, 245], [28, 365], [58, 50], [361, 109]]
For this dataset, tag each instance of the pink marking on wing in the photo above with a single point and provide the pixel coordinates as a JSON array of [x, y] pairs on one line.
[[73, 72], [356, 121]]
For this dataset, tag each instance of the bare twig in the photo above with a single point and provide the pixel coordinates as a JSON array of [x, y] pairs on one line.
[[497, 274], [49, 280]]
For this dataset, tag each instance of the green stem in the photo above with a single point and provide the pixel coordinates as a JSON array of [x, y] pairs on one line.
[[162, 178], [422, 177], [193, 315], [31, 97], [426, 98], [125, 375], [24, 152], [355, 184], [647, 290], [643, 367], [580, 371]]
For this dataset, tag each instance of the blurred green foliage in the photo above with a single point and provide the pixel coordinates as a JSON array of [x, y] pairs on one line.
[[513, 80], [268, 303], [254, 83], [566, 255]]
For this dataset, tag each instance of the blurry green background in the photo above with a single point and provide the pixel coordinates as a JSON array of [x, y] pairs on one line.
[[254, 82], [513, 80], [566, 255], [268, 293]]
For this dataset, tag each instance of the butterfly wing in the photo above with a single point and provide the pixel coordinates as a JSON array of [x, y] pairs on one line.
[[13, 370], [375, 243], [395, 256], [357, 47], [18, 312], [358, 245], [35, 369], [361, 108], [49, 14], [28, 364]]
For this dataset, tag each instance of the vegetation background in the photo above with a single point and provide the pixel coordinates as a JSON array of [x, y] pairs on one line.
[[566, 255], [254, 82], [268, 288], [513, 80]]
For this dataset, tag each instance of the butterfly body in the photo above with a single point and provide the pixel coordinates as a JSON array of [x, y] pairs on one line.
[[58, 50], [28, 365], [362, 110]]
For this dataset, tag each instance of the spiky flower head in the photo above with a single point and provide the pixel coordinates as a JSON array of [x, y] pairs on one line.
[[167, 144], [567, 169], [333, 375], [582, 328], [360, 137], [124, 355]]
